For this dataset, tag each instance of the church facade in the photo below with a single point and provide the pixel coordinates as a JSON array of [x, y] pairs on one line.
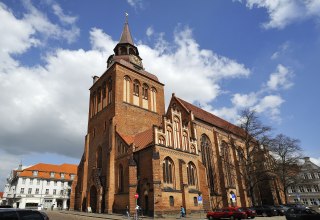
[[137, 153]]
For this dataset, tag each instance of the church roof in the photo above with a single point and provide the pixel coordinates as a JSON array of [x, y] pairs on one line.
[[211, 118], [140, 140], [126, 35]]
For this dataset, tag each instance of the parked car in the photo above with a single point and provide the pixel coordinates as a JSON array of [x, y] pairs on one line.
[[251, 213], [265, 210], [19, 214], [281, 209], [298, 213], [227, 213]]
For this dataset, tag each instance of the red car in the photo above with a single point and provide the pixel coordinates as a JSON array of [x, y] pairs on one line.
[[227, 213], [251, 213]]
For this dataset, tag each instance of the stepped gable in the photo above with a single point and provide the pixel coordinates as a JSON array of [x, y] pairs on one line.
[[211, 118]]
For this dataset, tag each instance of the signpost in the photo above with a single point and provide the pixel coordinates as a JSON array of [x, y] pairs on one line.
[[200, 202], [136, 196]]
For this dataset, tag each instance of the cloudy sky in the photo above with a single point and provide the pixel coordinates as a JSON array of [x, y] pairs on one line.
[[222, 55]]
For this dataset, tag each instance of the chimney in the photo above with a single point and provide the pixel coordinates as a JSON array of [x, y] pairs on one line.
[[306, 159], [95, 79]]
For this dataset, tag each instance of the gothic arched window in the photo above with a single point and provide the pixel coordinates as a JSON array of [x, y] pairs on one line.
[[168, 170], [169, 136], [185, 141], [192, 174], [153, 99], [109, 91], [145, 90], [227, 162], [136, 87], [161, 140], [207, 154], [126, 89], [176, 123]]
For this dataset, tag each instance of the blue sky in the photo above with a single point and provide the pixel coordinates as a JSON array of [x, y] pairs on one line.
[[222, 55]]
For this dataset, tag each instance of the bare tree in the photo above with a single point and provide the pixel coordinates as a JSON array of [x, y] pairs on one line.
[[287, 153], [255, 135]]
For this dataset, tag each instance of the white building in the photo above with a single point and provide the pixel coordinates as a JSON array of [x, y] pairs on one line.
[[47, 185], [307, 190]]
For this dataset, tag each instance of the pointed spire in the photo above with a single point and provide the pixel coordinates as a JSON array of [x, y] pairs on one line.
[[126, 35]]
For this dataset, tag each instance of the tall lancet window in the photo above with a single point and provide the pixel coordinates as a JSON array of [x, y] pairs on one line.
[[126, 89], [228, 165], [177, 132], [153, 99], [207, 155], [109, 91], [168, 170], [192, 174]]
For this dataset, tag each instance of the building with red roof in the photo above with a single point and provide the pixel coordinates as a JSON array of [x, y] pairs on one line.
[[44, 185]]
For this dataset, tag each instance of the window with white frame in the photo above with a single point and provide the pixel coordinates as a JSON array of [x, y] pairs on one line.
[[301, 188], [22, 190], [62, 175], [47, 191], [37, 191], [35, 173], [54, 192], [24, 180], [31, 181], [55, 183], [29, 191], [38, 181], [52, 174]]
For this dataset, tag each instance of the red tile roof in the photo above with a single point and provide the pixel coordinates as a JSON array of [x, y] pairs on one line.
[[211, 118], [141, 140], [1, 194], [44, 171]]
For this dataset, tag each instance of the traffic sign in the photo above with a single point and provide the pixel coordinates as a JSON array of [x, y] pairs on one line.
[[200, 200], [136, 196]]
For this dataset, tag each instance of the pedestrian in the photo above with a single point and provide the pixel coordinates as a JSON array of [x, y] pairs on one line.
[[182, 212]]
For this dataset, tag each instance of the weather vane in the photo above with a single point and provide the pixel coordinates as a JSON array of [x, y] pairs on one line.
[[127, 17]]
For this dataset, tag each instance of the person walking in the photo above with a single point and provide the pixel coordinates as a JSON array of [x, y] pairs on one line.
[[182, 212]]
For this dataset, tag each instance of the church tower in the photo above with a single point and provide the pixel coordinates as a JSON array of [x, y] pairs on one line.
[[125, 100]]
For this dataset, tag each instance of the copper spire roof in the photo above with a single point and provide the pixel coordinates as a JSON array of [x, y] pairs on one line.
[[126, 35]]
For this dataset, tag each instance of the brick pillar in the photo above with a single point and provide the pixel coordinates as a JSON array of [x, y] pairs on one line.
[[157, 193], [109, 194], [184, 185], [204, 187], [73, 194], [133, 181]]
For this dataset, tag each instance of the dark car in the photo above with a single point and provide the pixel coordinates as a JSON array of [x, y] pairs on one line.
[[298, 213], [265, 210], [227, 213], [251, 213], [19, 214], [281, 209]]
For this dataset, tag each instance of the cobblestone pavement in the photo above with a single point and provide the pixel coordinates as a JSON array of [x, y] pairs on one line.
[[70, 215]]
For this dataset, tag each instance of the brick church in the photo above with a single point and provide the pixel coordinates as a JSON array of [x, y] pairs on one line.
[[135, 148]]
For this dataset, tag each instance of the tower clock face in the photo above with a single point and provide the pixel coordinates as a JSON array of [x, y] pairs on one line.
[[135, 60]]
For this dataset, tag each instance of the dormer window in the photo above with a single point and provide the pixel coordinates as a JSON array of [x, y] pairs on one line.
[[35, 173], [52, 174], [72, 176], [62, 175]]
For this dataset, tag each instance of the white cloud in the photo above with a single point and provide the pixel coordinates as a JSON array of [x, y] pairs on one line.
[[135, 3], [244, 100], [282, 50], [281, 79], [149, 31], [270, 104], [184, 63], [66, 19], [315, 160], [45, 27], [284, 12]]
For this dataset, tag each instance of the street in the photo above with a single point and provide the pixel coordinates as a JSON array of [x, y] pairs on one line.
[[69, 215]]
